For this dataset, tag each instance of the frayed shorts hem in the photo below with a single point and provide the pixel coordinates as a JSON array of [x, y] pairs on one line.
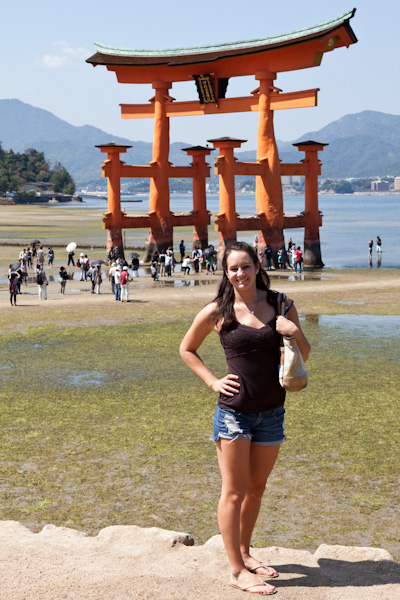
[[265, 429], [247, 437]]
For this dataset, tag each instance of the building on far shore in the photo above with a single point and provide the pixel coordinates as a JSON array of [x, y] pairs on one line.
[[397, 184], [379, 186]]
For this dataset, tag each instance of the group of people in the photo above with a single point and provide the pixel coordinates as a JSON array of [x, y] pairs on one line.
[[292, 257], [163, 263], [118, 276], [28, 256], [378, 251]]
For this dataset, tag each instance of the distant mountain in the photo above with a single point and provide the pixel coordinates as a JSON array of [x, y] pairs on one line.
[[24, 126], [365, 144]]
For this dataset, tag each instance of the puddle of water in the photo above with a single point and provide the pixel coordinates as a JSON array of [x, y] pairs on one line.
[[67, 289], [369, 326], [349, 303], [86, 378]]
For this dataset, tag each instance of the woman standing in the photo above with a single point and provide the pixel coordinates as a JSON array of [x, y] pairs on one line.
[[13, 287], [249, 418], [63, 279]]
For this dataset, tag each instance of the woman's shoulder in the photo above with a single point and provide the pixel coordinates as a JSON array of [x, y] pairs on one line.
[[206, 317]]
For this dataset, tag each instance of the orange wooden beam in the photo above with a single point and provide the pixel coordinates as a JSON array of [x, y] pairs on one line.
[[138, 170], [294, 169], [182, 171], [303, 99], [248, 168]]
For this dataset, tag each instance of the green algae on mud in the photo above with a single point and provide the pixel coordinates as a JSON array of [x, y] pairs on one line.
[[104, 425]]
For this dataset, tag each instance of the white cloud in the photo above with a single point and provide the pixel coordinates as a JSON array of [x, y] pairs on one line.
[[67, 55]]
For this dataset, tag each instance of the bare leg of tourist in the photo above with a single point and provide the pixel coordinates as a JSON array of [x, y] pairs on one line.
[[262, 461], [234, 463]]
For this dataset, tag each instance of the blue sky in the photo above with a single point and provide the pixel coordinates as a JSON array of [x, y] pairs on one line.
[[44, 45]]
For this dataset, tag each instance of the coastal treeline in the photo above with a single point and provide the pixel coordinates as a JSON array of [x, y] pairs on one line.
[[17, 170]]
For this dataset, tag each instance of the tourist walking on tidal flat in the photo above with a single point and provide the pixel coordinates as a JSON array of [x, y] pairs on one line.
[[40, 256], [378, 245], [13, 287], [182, 250], [117, 279], [268, 256], [63, 279], [50, 257], [71, 258], [370, 245], [249, 418], [41, 281], [298, 260], [125, 285], [29, 258]]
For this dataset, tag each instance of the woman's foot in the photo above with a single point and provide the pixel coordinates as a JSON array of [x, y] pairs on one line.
[[248, 582], [254, 566]]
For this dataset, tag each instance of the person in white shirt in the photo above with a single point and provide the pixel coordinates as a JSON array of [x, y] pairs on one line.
[[201, 258], [117, 278], [41, 281], [168, 263], [111, 276], [186, 266]]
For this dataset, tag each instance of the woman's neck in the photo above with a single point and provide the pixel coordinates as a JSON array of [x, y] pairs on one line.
[[247, 297]]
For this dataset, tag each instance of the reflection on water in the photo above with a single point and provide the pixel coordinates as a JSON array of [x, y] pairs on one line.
[[372, 326], [186, 282]]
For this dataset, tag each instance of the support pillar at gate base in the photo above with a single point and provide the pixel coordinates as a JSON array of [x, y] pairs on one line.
[[200, 228], [112, 170], [226, 219]]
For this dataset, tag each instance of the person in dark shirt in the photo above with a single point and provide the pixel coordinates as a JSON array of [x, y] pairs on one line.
[[249, 418]]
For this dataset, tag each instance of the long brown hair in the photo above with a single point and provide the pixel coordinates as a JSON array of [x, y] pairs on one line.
[[225, 297]]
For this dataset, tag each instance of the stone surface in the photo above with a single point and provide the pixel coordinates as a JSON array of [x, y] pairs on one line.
[[128, 562]]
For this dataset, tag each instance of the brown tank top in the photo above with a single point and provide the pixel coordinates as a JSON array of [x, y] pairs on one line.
[[253, 355]]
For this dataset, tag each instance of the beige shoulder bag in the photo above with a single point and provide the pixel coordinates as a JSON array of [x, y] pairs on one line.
[[292, 370]]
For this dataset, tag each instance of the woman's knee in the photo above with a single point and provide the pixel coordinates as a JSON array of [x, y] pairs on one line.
[[255, 492], [233, 496]]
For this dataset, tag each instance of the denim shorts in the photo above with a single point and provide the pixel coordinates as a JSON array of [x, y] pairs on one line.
[[265, 428]]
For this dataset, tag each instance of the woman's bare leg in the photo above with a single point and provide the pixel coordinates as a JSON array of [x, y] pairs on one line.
[[234, 462], [262, 461]]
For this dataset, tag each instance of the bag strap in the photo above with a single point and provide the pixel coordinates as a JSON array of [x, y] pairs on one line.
[[285, 309], [282, 298]]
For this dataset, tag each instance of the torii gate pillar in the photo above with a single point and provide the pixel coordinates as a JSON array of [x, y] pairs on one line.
[[312, 246], [161, 231], [269, 199]]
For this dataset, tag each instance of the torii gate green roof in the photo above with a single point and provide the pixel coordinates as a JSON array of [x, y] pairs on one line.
[[175, 56]]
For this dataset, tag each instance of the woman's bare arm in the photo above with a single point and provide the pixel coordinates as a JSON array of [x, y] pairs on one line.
[[201, 327]]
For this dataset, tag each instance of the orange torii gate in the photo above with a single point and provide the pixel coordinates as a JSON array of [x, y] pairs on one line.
[[211, 67]]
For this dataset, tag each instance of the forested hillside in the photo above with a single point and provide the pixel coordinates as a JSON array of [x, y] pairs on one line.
[[18, 169]]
